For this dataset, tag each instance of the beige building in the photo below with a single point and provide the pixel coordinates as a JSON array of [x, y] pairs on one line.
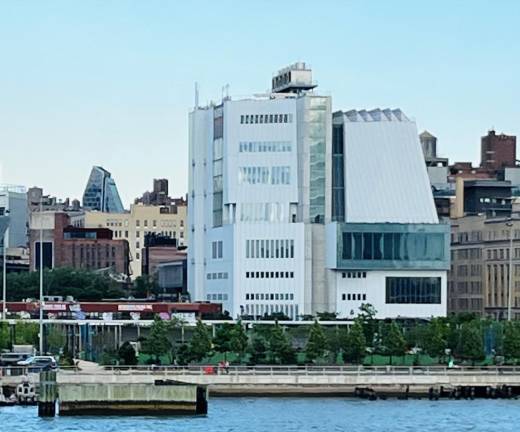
[[479, 277], [142, 219]]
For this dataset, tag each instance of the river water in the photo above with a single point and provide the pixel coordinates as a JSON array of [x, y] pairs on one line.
[[292, 415]]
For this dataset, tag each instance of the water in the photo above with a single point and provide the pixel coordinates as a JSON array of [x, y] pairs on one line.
[[292, 415]]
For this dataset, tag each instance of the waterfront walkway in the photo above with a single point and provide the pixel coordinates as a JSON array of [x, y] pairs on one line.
[[291, 379]]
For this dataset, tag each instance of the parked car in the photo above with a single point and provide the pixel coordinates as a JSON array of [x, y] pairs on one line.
[[12, 358], [39, 363]]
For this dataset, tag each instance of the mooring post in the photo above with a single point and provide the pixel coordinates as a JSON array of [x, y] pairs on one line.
[[48, 394]]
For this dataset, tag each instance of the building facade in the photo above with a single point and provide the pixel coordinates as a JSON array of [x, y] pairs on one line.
[[101, 192], [482, 251], [133, 226], [273, 198], [66, 245], [497, 151], [13, 203]]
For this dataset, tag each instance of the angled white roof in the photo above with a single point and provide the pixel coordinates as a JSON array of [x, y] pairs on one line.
[[385, 173]]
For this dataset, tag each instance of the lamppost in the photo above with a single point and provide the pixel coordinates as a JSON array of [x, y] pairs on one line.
[[41, 277], [4, 271]]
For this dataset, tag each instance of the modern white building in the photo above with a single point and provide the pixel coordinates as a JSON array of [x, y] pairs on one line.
[[266, 226], [13, 203], [385, 245]]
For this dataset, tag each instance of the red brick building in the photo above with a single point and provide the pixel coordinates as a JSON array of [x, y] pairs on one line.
[[65, 245], [497, 151]]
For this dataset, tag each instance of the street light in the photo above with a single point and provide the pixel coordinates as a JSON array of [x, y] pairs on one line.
[[4, 271], [41, 277]]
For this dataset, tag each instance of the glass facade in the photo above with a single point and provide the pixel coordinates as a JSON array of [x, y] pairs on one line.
[[413, 290], [392, 246], [218, 162], [101, 192], [316, 118], [338, 178]]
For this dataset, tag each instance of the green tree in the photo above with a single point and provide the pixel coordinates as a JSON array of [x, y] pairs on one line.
[[238, 340], [222, 339], [157, 343], [472, 341], [393, 341], [367, 314], [354, 347], [512, 340], [5, 339], [26, 333], [55, 339], [200, 343], [316, 343], [435, 338], [258, 349], [280, 348], [127, 355]]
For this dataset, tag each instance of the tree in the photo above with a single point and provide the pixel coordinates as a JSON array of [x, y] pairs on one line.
[[55, 340], [280, 348], [200, 343], [238, 340], [127, 355], [5, 339], [394, 343], [258, 349], [512, 340], [472, 341], [222, 339], [354, 347], [327, 316], [316, 343], [367, 314], [157, 343], [435, 338]]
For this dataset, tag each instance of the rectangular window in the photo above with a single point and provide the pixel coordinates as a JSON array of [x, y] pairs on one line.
[[413, 290]]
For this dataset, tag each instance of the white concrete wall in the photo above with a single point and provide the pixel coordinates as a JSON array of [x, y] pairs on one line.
[[373, 286]]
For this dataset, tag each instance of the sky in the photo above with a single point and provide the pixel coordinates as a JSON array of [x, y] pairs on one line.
[[111, 82]]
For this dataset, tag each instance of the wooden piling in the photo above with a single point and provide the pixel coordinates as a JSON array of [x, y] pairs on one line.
[[48, 394]]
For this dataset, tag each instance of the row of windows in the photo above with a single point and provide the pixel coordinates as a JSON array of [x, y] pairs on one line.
[[277, 175], [351, 297], [269, 296], [264, 146], [221, 297], [216, 249], [270, 248], [354, 275], [263, 212], [220, 275], [413, 290], [392, 246], [270, 275], [265, 118], [260, 310]]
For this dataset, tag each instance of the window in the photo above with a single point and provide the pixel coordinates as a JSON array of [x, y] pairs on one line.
[[413, 290], [216, 249], [399, 246]]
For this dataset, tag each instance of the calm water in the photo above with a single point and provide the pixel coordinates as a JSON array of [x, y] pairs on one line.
[[292, 414]]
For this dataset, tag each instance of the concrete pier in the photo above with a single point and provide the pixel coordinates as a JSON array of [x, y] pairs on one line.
[[158, 398]]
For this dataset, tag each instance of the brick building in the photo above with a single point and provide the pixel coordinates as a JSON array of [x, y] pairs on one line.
[[65, 245], [497, 151]]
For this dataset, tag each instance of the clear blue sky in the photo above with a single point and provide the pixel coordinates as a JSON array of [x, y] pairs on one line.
[[111, 82]]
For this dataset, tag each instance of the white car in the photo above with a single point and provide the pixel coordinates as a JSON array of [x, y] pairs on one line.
[[38, 363]]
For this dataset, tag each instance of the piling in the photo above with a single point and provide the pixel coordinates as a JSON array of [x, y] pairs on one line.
[[48, 394]]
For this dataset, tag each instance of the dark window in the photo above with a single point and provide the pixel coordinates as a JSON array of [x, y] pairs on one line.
[[416, 290]]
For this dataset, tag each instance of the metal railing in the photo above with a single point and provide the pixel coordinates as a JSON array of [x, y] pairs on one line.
[[272, 370]]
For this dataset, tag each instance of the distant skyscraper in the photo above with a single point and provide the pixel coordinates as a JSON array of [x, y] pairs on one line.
[[101, 192]]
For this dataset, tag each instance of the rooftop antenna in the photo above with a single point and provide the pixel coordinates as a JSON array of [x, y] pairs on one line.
[[225, 92], [196, 94]]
